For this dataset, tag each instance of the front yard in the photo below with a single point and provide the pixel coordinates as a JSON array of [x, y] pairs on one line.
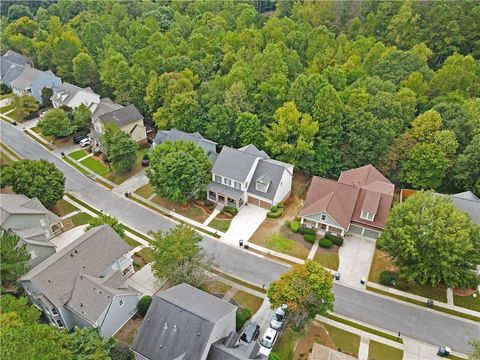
[[379, 351], [470, 302], [328, 257], [220, 224], [63, 207]]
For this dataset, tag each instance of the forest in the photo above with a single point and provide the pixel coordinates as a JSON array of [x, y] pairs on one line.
[[323, 85]]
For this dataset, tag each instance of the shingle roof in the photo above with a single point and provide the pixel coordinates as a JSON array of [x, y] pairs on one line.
[[90, 254], [122, 116], [26, 78], [17, 58], [66, 92], [252, 149], [9, 71], [366, 177], [469, 203], [20, 204], [234, 164], [31, 235], [270, 174], [105, 106], [179, 323]]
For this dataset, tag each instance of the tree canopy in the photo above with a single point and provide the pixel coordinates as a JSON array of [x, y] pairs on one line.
[[14, 258], [432, 242], [121, 150], [105, 219], [56, 123]]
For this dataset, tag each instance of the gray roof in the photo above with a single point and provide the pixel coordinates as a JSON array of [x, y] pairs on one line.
[[26, 78], [179, 323], [17, 58], [33, 236], [225, 190], [252, 149], [9, 71], [469, 203], [90, 254], [122, 116], [91, 296], [66, 92], [11, 204], [105, 106], [221, 350], [269, 174], [234, 164]]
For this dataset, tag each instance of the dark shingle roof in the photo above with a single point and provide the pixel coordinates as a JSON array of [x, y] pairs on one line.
[[123, 116], [234, 164], [268, 173]]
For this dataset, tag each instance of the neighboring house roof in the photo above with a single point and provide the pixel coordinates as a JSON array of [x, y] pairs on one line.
[[122, 116], [34, 236], [105, 106], [357, 190], [179, 323], [468, 202], [269, 174], [234, 164], [66, 92], [17, 58], [26, 78], [90, 254], [252, 149], [9, 71], [11, 204]]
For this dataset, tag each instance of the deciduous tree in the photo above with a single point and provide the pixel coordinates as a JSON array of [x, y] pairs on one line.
[[24, 105], [14, 258], [105, 219], [56, 123]]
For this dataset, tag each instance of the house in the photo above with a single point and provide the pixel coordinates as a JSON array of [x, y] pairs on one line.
[[359, 202], [85, 283], [469, 203], [249, 175], [12, 65], [208, 147], [31, 81], [32, 222], [127, 118], [184, 322], [72, 96]]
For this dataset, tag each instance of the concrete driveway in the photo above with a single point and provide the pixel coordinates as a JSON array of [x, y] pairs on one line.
[[145, 281], [5, 102], [245, 223], [355, 255], [68, 237]]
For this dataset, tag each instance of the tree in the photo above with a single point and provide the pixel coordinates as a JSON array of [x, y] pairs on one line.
[[81, 117], [24, 105], [291, 136], [56, 123], [403, 29], [144, 304], [14, 258], [120, 148], [46, 94], [88, 343], [426, 125], [26, 313], [178, 257], [85, 71], [16, 11], [105, 219], [467, 168], [307, 291], [249, 129], [432, 242], [35, 178], [425, 166], [178, 170]]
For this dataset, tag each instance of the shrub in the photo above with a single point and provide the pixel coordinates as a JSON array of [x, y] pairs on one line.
[[310, 238], [337, 240], [295, 225], [5, 89], [281, 205], [230, 210], [274, 208], [121, 351], [241, 317], [325, 243], [144, 304], [306, 230], [275, 213], [387, 277]]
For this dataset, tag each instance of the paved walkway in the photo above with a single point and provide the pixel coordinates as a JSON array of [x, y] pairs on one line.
[[5, 102], [230, 294], [363, 350], [313, 250], [450, 296], [132, 184], [68, 237], [145, 281], [245, 223], [355, 255], [212, 216]]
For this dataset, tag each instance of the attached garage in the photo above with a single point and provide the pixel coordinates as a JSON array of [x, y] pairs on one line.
[[354, 229], [260, 203], [363, 231], [371, 233]]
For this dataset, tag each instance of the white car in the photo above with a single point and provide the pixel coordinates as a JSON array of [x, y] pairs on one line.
[[278, 318], [268, 341], [84, 142]]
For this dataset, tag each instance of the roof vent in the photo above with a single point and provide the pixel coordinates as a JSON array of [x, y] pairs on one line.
[[71, 255], [81, 277], [81, 304], [198, 333], [148, 320], [174, 328], [76, 251], [160, 346], [165, 326]]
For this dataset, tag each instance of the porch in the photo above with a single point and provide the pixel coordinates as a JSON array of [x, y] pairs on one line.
[[224, 195], [321, 227]]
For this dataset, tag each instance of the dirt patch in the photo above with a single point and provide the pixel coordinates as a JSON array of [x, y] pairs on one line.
[[314, 334], [128, 332], [6, 190], [464, 292], [67, 224]]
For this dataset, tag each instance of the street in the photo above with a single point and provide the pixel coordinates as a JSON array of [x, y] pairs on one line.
[[428, 326]]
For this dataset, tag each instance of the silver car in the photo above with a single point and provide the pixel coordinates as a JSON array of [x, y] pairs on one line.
[[278, 318]]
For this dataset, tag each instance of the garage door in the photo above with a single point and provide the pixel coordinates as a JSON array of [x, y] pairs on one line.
[[258, 202], [371, 233], [355, 229]]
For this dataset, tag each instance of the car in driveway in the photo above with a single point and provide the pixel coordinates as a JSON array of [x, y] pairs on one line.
[[268, 341], [250, 333], [79, 137], [278, 318], [84, 142]]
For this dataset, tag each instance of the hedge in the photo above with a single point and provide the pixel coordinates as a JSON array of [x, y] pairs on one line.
[[295, 225], [241, 317], [387, 278], [144, 304], [230, 210], [305, 230], [275, 212], [325, 243], [310, 238], [337, 240]]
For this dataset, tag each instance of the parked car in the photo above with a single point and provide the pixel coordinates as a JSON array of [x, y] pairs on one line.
[[268, 341], [278, 318], [79, 137], [84, 142], [250, 333]]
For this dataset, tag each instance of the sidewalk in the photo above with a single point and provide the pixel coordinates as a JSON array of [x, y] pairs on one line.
[[133, 183]]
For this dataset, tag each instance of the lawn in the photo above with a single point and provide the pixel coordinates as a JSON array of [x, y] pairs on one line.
[[468, 302], [215, 287], [63, 208], [379, 351], [241, 317], [344, 341], [131, 242], [286, 344], [147, 254], [95, 165], [78, 154], [4, 96], [119, 178], [192, 211], [249, 301], [145, 191], [328, 259], [5, 109], [75, 165], [279, 243], [80, 219], [220, 225]]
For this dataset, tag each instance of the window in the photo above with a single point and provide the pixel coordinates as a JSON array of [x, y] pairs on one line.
[[218, 179], [227, 181], [323, 217], [261, 187], [121, 303], [365, 215], [54, 311], [60, 323], [238, 185], [211, 196]]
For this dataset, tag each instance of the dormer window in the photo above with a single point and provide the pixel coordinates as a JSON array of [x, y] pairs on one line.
[[365, 215], [262, 183]]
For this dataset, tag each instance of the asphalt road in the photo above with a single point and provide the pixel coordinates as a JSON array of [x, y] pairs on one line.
[[427, 326]]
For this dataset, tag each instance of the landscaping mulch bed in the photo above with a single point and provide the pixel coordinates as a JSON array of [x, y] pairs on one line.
[[464, 292], [127, 333]]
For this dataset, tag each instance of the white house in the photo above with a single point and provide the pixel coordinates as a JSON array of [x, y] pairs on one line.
[[73, 96], [248, 175]]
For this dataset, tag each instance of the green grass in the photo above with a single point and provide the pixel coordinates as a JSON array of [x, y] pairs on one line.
[[78, 154], [242, 316], [247, 300], [10, 151], [344, 340], [379, 351], [327, 259], [285, 345], [5, 109], [145, 191], [238, 281], [147, 254], [364, 328], [421, 303], [96, 166], [469, 302], [220, 225], [4, 96], [279, 243], [63, 207], [81, 219], [75, 165], [131, 242], [118, 178]]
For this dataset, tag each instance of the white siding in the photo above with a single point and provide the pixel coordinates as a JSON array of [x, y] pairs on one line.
[[115, 316], [284, 187]]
